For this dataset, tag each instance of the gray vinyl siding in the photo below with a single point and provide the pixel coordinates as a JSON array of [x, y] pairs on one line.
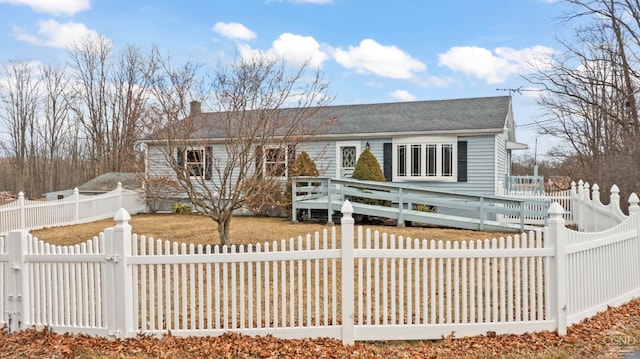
[[502, 161], [157, 164], [480, 168], [323, 153], [481, 162]]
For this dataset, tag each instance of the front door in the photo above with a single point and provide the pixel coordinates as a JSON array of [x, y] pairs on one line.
[[347, 156]]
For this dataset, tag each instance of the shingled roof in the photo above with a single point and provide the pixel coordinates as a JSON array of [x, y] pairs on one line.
[[486, 114], [108, 182]]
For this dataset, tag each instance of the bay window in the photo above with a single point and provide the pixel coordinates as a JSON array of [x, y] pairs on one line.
[[425, 158]]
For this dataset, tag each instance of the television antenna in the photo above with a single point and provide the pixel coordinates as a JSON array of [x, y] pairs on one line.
[[518, 90]]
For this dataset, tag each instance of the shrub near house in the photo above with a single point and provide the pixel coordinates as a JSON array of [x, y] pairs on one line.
[[368, 169]]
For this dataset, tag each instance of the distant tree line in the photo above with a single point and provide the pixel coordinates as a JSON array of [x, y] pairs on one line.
[[590, 93], [61, 125]]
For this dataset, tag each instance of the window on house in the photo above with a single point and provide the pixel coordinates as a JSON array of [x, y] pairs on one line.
[[416, 160], [275, 162], [425, 158], [447, 160], [432, 160], [402, 161], [196, 161]]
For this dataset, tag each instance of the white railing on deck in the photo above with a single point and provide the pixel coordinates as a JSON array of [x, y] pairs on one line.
[[27, 214], [356, 285], [561, 197]]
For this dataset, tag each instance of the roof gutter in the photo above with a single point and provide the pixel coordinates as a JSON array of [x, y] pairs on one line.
[[357, 136]]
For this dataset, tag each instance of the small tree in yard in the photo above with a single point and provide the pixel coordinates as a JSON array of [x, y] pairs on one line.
[[241, 153], [368, 168]]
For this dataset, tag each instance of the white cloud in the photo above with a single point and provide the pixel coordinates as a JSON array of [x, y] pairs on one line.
[[297, 49], [234, 30], [530, 58], [294, 49], [495, 67], [55, 34], [55, 7], [385, 61], [402, 95]]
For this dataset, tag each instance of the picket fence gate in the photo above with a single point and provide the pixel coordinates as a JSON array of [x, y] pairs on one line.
[[359, 285]]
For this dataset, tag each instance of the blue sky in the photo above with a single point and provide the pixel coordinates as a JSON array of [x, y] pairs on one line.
[[370, 51]]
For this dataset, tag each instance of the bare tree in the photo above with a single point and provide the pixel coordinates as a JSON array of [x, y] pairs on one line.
[[112, 100], [591, 88], [19, 98], [129, 108], [225, 158], [88, 59], [54, 127]]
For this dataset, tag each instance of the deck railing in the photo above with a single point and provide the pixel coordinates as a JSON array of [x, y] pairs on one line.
[[409, 202]]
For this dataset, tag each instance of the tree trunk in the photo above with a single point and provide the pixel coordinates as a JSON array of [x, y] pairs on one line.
[[224, 223]]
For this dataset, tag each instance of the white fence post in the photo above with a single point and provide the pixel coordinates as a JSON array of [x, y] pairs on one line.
[[18, 280], [557, 285], [347, 239], [118, 281], [634, 211], [500, 192], [76, 202], [582, 205], [21, 215], [119, 192]]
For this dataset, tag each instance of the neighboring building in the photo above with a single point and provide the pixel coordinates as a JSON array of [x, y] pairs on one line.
[[102, 184], [459, 145]]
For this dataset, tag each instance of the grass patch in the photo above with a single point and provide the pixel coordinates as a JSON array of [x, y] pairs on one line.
[[198, 229]]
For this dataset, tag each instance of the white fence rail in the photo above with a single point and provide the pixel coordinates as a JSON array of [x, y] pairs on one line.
[[561, 197], [590, 214], [356, 285], [27, 214]]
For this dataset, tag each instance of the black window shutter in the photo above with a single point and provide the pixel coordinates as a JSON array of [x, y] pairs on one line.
[[259, 161], [180, 158], [291, 157], [208, 160], [462, 161], [387, 161]]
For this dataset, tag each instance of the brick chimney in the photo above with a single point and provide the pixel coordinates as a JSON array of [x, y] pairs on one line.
[[195, 108]]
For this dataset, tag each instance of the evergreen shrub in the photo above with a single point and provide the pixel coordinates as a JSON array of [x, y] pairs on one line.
[[368, 169]]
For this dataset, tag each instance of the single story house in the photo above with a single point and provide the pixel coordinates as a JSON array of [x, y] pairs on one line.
[[462, 145]]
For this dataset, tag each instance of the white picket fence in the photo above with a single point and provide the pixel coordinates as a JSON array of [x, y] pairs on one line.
[[590, 215], [564, 198], [359, 285], [27, 214]]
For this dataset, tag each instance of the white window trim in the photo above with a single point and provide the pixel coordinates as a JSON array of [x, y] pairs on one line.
[[203, 150], [286, 159], [339, 144], [425, 140]]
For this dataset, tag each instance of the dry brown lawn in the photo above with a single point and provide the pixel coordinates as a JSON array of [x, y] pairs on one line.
[[198, 229]]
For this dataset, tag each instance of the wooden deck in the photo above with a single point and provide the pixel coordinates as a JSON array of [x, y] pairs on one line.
[[406, 203]]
